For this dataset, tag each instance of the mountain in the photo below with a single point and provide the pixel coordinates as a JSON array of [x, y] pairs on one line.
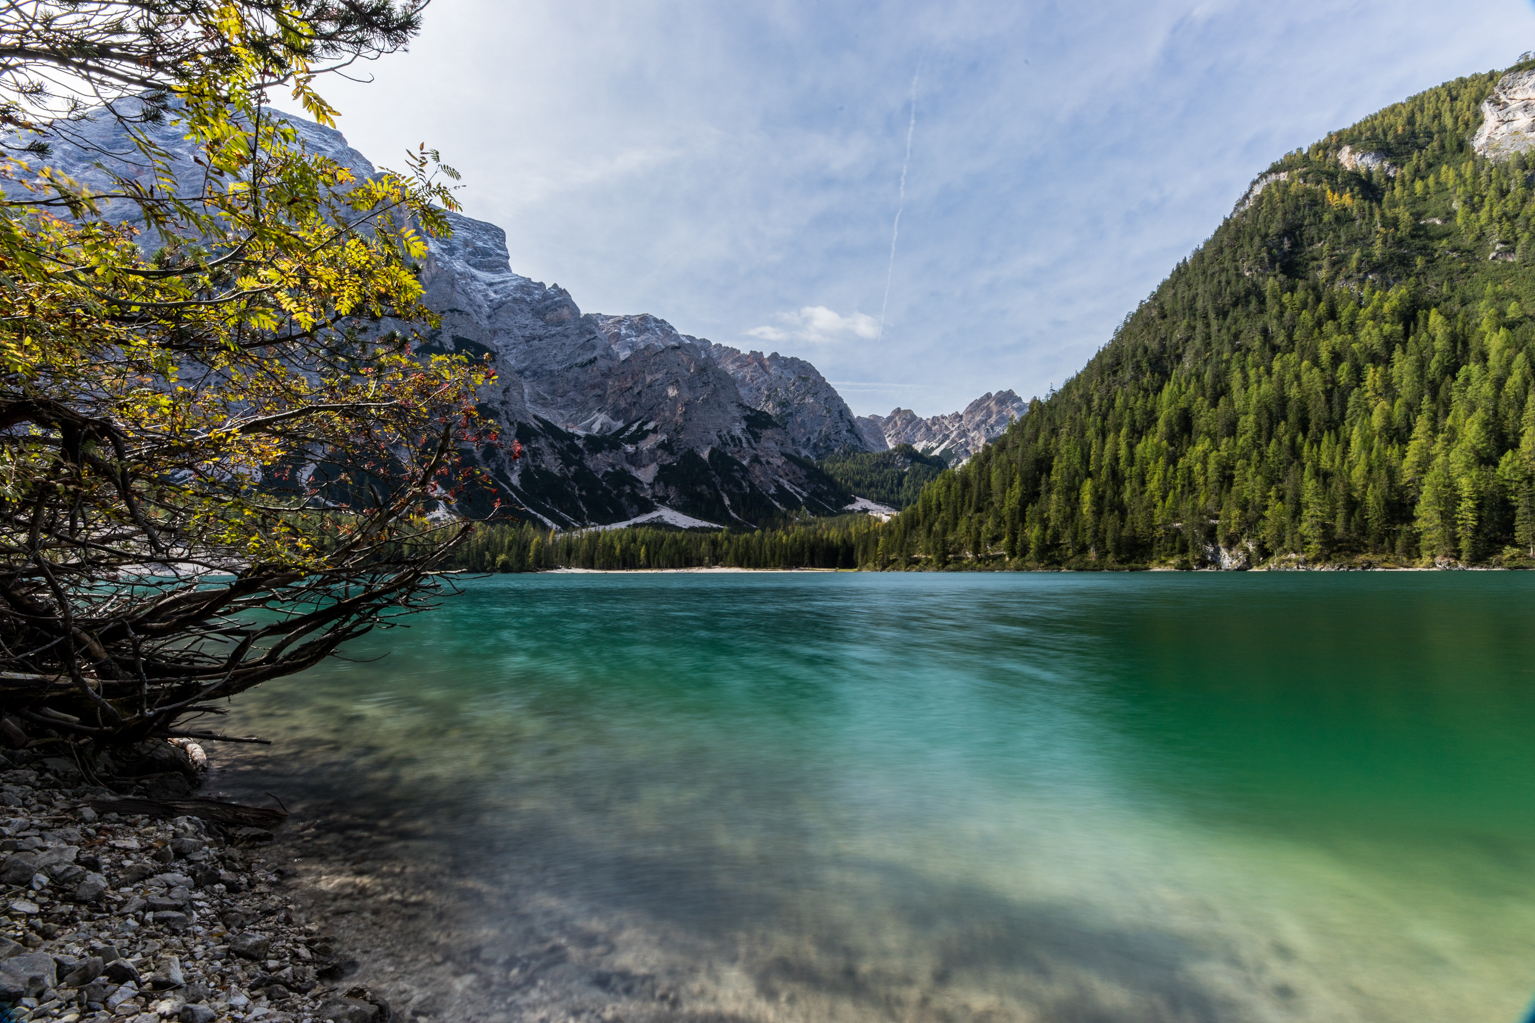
[[955, 436], [794, 392], [621, 418], [1341, 374]]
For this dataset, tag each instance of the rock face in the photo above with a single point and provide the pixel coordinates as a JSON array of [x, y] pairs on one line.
[[1508, 117], [618, 415], [794, 392], [957, 435], [1258, 186], [1364, 161]]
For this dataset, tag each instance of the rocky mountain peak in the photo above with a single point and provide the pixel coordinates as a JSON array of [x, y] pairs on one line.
[[957, 435]]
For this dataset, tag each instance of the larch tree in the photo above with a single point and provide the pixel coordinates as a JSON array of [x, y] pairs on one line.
[[223, 450]]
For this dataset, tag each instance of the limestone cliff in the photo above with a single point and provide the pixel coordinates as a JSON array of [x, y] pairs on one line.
[[1508, 124]]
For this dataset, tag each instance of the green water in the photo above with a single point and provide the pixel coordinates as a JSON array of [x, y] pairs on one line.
[[1021, 797]]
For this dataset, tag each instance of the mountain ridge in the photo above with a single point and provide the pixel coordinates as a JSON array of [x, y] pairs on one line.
[[956, 435]]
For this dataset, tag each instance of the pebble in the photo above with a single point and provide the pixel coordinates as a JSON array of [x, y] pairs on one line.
[[128, 919]]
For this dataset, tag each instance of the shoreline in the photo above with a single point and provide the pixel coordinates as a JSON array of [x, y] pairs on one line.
[[667, 571], [1073, 569]]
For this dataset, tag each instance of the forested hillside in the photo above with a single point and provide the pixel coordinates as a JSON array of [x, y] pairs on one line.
[[1342, 372], [844, 541], [894, 478]]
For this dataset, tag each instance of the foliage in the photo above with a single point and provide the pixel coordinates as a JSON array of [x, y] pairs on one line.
[[220, 411], [892, 478], [1343, 371], [845, 541]]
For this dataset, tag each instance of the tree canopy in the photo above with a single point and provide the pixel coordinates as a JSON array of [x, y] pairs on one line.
[[222, 446]]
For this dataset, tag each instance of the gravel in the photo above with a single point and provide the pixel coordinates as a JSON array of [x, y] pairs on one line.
[[130, 919]]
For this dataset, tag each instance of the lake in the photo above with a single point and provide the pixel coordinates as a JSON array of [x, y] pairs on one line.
[[960, 797]]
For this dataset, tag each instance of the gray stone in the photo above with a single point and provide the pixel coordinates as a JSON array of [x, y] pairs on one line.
[[91, 889], [18, 868], [121, 995], [36, 972], [10, 948], [56, 856], [86, 971], [170, 975], [137, 872], [1508, 118], [957, 435], [793, 392], [67, 874], [347, 1010], [121, 971], [183, 847], [173, 921], [197, 1014], [250, 945]]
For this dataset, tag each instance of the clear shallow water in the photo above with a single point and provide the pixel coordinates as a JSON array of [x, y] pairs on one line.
[[1030, 797]]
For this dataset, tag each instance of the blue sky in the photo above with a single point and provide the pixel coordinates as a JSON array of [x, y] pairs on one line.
[[735, 167]]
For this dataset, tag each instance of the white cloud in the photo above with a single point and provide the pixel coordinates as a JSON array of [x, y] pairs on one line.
[[818, 325]]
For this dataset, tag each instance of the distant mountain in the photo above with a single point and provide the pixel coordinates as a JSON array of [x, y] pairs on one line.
[[955, 436]]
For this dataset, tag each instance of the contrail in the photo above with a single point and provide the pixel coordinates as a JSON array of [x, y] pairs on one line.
[[895, 230]]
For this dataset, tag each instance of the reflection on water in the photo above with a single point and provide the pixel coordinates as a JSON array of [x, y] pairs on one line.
[[1063, 797]]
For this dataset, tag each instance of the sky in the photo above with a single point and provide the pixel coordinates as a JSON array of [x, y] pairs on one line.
[[738, 168]]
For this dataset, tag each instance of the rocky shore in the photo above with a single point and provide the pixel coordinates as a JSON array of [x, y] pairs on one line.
[[145, 917]]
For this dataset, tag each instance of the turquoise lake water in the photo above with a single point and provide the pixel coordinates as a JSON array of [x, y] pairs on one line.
[[966, 797]]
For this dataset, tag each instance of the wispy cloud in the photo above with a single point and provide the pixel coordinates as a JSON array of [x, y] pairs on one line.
[[818, 325]]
